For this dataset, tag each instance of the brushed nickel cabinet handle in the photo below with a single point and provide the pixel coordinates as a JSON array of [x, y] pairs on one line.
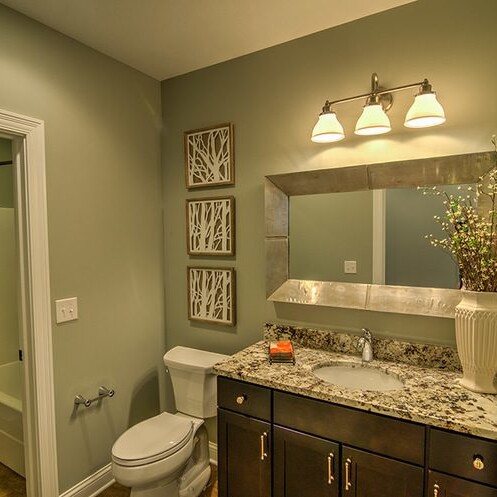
[[436, 489], [478, 462], [348, 483], [331, 460], [241, 399], [263, 446]]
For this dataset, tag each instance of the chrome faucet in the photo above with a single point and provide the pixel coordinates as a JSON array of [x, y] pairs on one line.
[[366, 345]]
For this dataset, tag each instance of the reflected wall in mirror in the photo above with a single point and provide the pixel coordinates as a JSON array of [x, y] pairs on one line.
[[380, 233], [371, 215]]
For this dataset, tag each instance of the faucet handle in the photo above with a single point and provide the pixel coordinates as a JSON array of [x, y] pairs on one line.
[[366, 334]]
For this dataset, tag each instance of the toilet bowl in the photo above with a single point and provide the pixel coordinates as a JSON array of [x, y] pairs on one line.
[[168, 455]]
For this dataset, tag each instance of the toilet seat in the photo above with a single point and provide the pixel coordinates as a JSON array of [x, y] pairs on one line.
[[152, 440]]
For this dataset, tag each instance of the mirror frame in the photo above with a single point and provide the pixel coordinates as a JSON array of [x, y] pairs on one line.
[[436, 302]]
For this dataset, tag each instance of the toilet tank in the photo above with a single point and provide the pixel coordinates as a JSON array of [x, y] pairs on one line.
[[194, 383]]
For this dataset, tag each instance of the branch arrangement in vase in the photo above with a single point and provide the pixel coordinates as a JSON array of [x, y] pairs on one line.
[[471, 232]]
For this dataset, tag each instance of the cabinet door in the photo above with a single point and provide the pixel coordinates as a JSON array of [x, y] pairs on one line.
[[304, 465], [440, 485], [369, 475], [244, 456]]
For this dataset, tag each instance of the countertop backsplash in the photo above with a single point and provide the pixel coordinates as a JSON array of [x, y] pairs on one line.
[[385, 349]]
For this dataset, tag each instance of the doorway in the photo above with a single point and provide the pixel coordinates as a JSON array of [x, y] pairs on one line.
[[27, 387], [12, 466]]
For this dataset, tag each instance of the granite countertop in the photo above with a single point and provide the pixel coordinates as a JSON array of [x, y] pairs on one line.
[[431, 396]]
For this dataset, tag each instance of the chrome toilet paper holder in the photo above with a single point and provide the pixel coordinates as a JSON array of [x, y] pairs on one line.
[[102, 393]]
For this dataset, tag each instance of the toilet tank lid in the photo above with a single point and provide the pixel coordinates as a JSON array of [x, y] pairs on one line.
[[189, 359]]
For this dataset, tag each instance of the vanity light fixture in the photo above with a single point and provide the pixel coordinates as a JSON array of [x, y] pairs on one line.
[[328, 128], [424, 112]]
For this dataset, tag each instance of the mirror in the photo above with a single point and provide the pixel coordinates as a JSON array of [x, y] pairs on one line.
[[354, 237]]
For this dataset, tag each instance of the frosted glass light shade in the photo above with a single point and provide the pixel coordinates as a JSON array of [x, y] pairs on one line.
[[328, 129], [373, 121], [424, 112]]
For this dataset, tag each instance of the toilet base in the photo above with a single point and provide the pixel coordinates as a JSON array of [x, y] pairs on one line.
[[168, 490], [172, 489], [195, 487]]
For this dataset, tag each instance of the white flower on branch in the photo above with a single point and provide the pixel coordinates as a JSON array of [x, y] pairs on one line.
[[470, 234]]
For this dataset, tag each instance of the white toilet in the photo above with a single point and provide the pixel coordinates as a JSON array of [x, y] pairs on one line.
[[168, 455]]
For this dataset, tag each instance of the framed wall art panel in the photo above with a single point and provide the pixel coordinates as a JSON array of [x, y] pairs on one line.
[[209, 156], [212, 295], [210, 226]]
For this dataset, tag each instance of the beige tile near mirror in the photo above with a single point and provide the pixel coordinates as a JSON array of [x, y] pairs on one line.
[[386, 264]]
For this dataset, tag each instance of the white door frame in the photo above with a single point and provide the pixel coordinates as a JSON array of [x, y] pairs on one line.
[[28, 135]]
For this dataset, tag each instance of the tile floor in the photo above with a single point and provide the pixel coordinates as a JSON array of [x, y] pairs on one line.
[[13, 485]]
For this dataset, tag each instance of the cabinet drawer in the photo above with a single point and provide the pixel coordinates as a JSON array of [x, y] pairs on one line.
[[440, 485], [244, 398], [380, 434], [456, 454]]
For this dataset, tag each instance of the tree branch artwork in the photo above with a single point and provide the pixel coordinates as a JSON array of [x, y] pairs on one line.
[[211, 295], [211, 228], [209, 156]]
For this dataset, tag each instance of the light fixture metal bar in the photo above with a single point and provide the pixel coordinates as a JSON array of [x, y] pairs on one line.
[[380, 92]]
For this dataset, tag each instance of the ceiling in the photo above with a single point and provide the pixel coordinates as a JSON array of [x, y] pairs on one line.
[[165, 38]]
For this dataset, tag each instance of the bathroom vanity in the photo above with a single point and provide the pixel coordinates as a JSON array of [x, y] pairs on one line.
[[283, 432]]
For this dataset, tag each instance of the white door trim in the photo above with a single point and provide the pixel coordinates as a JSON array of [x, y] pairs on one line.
[[28, 136], [379, 236]]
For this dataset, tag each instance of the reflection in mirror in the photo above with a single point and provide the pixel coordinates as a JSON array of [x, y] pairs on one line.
[[328, 229], [370, 237]]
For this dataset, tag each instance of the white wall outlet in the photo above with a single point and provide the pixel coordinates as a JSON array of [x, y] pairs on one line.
[[350, 267], [66, 309]]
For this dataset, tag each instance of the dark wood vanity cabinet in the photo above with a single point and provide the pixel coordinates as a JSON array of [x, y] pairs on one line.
[[370, 475], [277, 444], [244, 439], [303, 461], [244, 458], [441, 485], [461, 465], [326, 469], [363, 448]]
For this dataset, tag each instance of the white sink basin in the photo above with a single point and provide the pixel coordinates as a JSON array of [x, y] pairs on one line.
[[353, 375]]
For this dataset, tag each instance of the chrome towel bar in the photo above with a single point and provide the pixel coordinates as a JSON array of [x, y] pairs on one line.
[[102, 393]]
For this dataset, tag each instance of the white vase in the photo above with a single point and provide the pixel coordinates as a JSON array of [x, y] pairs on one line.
[[476, 338]]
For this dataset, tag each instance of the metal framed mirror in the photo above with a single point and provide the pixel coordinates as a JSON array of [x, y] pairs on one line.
[[372, 294]]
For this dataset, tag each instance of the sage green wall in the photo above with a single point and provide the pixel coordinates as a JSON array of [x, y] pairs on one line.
[[273, 98], [328, 229], [9, 334], [103, 126]]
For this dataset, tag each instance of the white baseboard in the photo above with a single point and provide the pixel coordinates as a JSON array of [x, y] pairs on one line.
[[93, 485], [213, 452], [101, 479]]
